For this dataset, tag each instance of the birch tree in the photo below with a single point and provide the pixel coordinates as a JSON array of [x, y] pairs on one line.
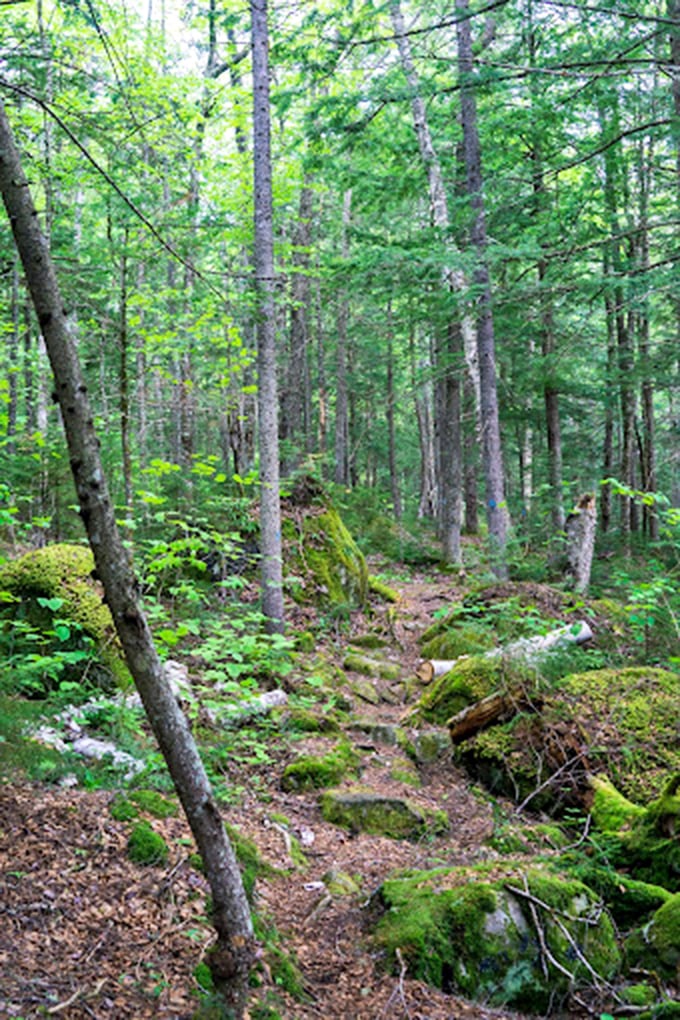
[[270, 507]]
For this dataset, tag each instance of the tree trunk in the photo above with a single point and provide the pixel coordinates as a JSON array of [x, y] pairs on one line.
[[270, 506], [124, 387], [580, 528], [391, 440], [496, 509], [342, 451], [296, 401], [456, 337], [234, 952]]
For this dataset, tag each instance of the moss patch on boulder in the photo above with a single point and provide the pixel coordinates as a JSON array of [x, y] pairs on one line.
[[623, 722], [475, 932], [470, 680], [361, 810], [65, 572], [656, 946]]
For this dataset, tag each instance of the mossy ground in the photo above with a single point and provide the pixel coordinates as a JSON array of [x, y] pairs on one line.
[[313, 772]]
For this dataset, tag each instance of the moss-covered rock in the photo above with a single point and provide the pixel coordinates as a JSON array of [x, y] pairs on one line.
[[371, 666], [627, 899], [65, 572], [656, 946], [622, 722], [361, 810], [611, 811], [309, 720], [313, 772], [478, 932]]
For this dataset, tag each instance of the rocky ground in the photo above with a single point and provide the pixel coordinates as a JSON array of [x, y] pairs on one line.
[[86, 933]]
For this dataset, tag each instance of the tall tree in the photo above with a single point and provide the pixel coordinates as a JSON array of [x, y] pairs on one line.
[[492, 454], [270, 504], [233, 955], [451, 338]]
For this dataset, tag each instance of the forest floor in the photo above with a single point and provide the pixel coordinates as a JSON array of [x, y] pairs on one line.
[[88, 934]]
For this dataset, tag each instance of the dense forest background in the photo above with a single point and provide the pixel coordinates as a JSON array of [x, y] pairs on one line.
[[136, 127]]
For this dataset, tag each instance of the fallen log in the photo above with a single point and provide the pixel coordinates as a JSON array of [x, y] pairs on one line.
[[496, 707], [530, 649]]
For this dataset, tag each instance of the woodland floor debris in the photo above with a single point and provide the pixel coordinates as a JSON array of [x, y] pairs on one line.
[[87, 933]]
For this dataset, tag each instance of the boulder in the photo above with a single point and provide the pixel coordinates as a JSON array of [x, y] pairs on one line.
[[361, 810], [497, 933], [620, 721], [56, 583]]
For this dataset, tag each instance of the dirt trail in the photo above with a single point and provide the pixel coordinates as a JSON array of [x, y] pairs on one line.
[[86, 934]]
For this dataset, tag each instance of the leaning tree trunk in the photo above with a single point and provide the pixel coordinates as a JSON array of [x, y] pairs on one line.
[[270, 505], [234, 952], [496, 509]]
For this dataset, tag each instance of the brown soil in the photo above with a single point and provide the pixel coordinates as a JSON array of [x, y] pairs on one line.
[[87, 934]]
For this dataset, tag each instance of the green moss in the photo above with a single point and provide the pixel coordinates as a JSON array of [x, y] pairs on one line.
[[65, 572], [328, 559], [468, 681], [639, 995], [358, 663], [123, 810], [403, 771], [450, 643], [154, 803], [611, 811], [145, 846], [628, 899], [309, 720], [469, 933], [370, 641], [383, 590], [656, 946], [310, 772], [361, 810], [625, 720]]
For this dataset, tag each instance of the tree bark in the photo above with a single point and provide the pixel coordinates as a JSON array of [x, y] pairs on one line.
[[296, 400], [456, 338], [580, 527], [270, 505], [342, 452], [234, 952], [391, 438], [496, 509]]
